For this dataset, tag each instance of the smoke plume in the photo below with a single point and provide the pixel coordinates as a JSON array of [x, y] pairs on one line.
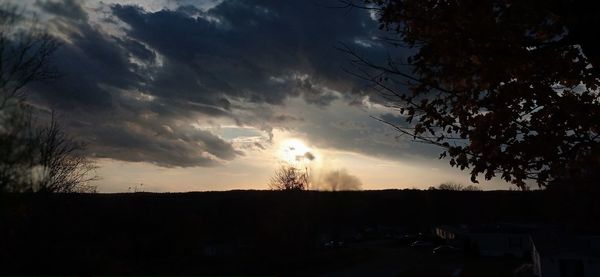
[[337, 180]]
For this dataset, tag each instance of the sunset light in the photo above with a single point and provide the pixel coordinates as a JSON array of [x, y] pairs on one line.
[[300, 138], [295, 151]]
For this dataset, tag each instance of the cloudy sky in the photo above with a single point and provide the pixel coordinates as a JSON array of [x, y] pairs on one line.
[[214, 95]]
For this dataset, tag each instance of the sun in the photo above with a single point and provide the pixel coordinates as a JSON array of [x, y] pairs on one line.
[[295, 151]]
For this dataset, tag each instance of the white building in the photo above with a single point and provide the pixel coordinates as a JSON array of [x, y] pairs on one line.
[[561, 256], [491, 240]]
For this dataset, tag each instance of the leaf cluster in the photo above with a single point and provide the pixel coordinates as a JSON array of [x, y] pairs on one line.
[[507, 88]]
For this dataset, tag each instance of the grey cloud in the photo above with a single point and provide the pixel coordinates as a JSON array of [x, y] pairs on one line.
[[313, 94], [259, 145], [236, 61], [310, 156], [88, 64], [162, 143], [306, 156], [66, 8], [99, 96], [350, 128], [396, 120], [252, 42], [138, 50]]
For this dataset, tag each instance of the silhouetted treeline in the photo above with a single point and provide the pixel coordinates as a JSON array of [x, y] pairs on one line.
[[260, 232]]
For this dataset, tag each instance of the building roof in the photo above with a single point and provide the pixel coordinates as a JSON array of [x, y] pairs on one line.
[[495, 228], [552, 243]]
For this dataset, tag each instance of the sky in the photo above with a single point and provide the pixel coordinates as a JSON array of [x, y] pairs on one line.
[[181, 95]]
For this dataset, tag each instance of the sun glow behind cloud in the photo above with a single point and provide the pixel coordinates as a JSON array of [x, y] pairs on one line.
[[253, 170], [294, 151]]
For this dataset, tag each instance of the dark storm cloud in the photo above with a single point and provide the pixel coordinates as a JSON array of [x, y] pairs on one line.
[[127, 96], [67, 8], [263, 51], [141, 137], [171, 146], [138, 50], [98, 93], [87, 63]]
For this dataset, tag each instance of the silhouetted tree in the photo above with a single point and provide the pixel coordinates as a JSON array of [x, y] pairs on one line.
[[508, 88], [289, 177], [456, 187], [61, 164], [33, 156], [16, 146], [25, 52], [471, 188], [450, 186]]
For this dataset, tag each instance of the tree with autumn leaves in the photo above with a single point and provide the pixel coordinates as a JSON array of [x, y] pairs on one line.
[[506, 88]]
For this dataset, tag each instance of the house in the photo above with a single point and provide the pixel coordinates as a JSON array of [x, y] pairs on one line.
[[556, 255], [498, 240], [492, 240], [450, 233]]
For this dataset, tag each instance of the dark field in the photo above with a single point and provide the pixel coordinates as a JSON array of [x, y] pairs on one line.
[[265, 232]]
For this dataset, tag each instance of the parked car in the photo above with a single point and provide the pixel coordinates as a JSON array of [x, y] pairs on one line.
[[334, 244], [405, 239], [445, 250], [421, 243]]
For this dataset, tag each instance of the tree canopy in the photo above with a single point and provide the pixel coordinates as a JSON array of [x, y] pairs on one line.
[[508, 88]]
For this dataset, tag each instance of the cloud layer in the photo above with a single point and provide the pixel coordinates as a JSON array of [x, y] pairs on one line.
[[151, 81]]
